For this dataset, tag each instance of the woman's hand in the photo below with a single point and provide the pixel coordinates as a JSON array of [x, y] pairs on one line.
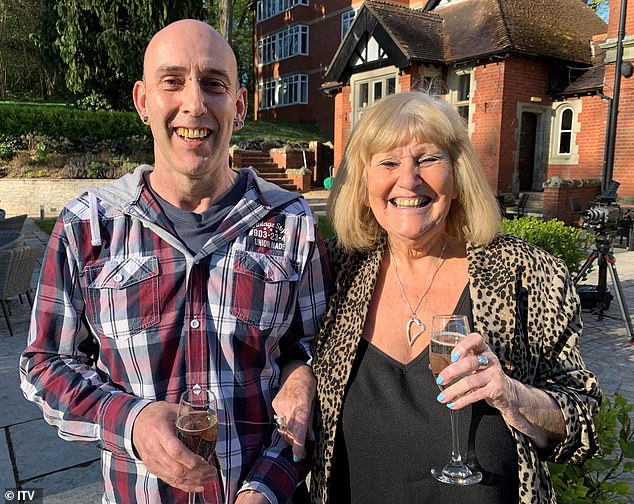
[[293, 406], [523, 407]]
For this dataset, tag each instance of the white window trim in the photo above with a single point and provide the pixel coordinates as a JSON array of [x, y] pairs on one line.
[[300, 81], [347, 18], [557, 110], [276, 42], [452, 92], [267, 9], [380, 74], [561, 131]]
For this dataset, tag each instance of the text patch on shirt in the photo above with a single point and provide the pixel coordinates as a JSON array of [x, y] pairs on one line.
[[269, 236]]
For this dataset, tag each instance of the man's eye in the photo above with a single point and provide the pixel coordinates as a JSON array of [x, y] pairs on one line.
[[171, 83], [213, 85]]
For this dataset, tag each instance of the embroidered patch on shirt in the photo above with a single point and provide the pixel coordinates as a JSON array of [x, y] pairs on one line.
[[271, 236]]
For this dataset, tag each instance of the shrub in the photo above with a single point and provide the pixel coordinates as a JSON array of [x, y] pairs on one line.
[[566, 242], [594, 482], [72, 123]]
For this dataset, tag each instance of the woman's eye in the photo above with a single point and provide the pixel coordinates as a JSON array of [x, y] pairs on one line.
[[428, 160], [388, 164]]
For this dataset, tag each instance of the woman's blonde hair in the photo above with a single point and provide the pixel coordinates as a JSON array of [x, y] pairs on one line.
[[392, 122]]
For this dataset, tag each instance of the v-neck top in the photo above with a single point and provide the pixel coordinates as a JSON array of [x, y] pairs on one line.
[[392, 431]]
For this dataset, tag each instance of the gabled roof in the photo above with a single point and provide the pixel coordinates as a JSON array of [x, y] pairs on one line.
[[472, 30], [406, 35]]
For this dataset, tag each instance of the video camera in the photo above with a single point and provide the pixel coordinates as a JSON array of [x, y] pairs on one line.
[[605, 214]]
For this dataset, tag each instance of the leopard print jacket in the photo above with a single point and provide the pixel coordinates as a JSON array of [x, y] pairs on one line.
[[524, 302]]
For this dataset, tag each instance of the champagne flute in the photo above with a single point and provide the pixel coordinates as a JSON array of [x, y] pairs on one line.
[[197, 425], [447, 332]]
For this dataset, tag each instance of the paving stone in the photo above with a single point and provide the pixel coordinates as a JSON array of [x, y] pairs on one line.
[[78, 485], [7, 479], [15, 408], [39, 451]]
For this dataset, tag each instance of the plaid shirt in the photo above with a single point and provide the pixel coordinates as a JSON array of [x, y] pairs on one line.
[[227, 318]]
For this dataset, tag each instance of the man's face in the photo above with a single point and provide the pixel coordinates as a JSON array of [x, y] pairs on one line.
[[191, 97]]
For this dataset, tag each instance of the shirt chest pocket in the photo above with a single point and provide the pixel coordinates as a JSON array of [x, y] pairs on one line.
[[123, 295], [263, 288]]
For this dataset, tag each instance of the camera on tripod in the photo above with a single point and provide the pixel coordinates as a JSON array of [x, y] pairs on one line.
[[605, 214]]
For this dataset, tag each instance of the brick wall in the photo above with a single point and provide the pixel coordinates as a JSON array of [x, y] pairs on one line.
[[28, 196]]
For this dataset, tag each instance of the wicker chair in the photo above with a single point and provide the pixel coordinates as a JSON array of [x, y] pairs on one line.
[[16, 269], [11, 230]]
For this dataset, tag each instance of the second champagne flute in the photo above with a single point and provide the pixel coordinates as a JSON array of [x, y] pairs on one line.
[[197, 425], [447, 332]]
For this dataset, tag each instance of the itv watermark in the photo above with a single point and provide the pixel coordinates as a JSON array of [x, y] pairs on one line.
[[17, 496]]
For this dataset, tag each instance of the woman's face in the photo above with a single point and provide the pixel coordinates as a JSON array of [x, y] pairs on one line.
[[410, 189]]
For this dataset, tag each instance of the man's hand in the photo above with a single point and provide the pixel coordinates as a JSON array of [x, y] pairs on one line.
[[155, 441], [294, 401]]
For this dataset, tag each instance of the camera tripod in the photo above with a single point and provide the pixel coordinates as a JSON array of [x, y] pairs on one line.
[[603, 252]]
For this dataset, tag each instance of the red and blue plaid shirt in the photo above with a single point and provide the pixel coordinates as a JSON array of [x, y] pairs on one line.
[[227, 318]]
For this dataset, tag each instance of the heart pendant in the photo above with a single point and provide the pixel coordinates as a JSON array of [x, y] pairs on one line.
[[408, 332]]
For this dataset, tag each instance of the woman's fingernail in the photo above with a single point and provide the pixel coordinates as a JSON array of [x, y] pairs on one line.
[[454, 356], [440, 397], [439, 380], [450, 405], [295, 458], [312, 435], [303, 456]]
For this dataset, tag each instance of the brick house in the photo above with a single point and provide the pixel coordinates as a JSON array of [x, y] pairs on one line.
[[532, 83]]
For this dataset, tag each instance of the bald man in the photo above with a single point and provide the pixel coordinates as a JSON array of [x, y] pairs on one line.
[[182, 274]]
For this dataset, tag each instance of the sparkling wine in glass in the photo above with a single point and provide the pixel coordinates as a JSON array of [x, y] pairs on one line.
[[197, 425], [447, 332]]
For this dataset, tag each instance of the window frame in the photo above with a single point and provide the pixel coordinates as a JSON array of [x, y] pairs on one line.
[[266, 9], [284, 91]]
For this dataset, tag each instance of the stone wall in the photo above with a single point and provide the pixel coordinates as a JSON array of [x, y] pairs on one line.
[[34, 196]]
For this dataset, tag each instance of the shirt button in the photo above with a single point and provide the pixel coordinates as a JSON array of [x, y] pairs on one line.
[[118, 277], [194, 324]]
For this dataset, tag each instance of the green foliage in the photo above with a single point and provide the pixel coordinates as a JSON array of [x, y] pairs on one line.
[[325, 226], [595, 482], [19, 119], [101, 44], [94, 101], [566, 242]]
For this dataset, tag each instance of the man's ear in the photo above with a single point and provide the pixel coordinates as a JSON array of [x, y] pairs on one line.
[[138, 95], [241, 103]]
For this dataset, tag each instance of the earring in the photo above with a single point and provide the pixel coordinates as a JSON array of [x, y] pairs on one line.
[[145, 119], [238, 124]]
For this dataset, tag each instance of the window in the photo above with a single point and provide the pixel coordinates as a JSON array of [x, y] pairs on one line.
[[269, 8], [459, 91], [346, 21], [565, 131], [371, 87], [285, 44], [463, 95], [288, 90]]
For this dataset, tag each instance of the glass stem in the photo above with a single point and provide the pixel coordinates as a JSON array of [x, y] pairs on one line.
[[192, 498], [455, 444]]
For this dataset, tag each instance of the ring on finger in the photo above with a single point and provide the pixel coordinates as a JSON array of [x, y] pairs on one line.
[[483, 361], [280, 420]]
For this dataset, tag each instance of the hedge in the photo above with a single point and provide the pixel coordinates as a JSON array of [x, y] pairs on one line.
[[74, 124]]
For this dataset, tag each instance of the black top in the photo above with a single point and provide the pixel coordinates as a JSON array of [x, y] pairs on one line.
[[195, 229], [392, 431]]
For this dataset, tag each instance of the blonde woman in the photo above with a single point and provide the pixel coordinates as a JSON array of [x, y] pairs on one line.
[[418, 235]]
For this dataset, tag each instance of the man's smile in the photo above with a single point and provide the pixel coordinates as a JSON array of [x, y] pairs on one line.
[[192, 134]]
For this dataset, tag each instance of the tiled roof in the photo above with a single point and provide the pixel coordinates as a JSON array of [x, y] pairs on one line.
[[418, 34], [558, 29]]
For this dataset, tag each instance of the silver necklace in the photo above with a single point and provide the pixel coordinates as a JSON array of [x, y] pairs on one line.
[[414, 318]]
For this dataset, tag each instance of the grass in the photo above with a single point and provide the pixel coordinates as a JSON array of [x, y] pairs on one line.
[[46, 225], [325, 226]]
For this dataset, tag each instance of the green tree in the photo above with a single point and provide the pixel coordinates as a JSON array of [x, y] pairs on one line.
[[21, 75], [100, 42]]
